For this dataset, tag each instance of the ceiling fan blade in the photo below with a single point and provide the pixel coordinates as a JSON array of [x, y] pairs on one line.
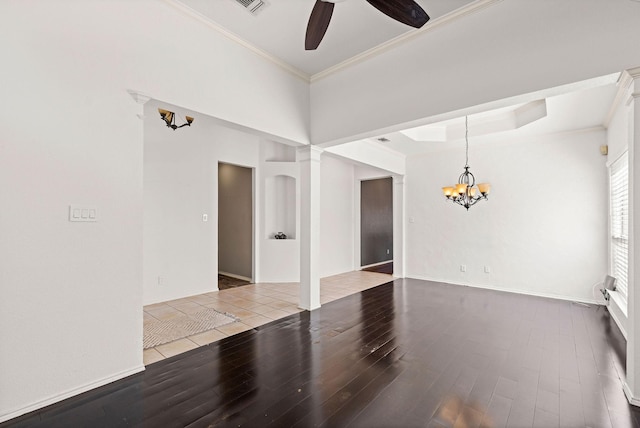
[[406, 11], [318, 24]]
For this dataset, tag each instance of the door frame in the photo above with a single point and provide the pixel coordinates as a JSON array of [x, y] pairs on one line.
[[254, 216]]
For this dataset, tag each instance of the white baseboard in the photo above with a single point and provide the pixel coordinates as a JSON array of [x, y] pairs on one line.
[[635, 401], [233, 275], [508, 290], [69, 393]]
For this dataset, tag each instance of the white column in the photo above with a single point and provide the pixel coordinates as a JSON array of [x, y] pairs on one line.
[[632, 384], [309, 159], [398, 227]]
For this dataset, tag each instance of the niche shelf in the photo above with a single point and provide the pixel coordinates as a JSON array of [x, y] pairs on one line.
[[280, 206]]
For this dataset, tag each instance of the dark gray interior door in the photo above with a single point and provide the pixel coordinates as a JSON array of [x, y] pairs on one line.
[[376, 221], [235, 220]]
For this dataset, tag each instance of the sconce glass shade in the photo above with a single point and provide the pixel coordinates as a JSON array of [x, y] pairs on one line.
[[448, 191], [484, 188], [166, 115]]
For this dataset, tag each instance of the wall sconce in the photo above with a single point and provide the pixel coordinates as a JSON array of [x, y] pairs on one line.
[[170, 119]]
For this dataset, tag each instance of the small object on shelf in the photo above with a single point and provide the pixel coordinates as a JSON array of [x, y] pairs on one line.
[[280, 235]]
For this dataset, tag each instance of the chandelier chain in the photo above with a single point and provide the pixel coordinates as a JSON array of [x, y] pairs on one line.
[[466, 139]]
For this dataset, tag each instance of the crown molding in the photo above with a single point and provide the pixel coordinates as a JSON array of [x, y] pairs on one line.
[[139, 97], [309, 153], [469, 9], [237, 39], [625, 80], [623, 83], [633, 72]]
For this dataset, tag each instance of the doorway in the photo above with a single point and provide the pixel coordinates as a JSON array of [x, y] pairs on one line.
[[235, 225], [376, 225]]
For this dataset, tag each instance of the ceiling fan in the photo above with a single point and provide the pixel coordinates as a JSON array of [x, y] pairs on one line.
[[406, 11]]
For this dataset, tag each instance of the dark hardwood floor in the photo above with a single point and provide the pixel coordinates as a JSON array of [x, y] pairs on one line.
[[405, 354], [227, 282], [383, 268]]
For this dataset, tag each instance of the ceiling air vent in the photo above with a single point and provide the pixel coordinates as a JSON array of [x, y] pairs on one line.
[[253, 6]]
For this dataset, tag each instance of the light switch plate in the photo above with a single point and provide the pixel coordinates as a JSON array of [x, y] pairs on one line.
[[83, 213]]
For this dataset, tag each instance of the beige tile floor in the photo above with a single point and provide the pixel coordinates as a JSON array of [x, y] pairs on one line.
[[253, 304]]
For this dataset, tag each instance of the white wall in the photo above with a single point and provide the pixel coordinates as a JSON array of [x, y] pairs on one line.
[[181, 184], [506, 50], [72, 292], [337, 216], [618, 131], [279, 259], [542, 232]]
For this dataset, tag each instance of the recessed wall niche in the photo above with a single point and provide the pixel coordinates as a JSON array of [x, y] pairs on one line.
[[280, 206]]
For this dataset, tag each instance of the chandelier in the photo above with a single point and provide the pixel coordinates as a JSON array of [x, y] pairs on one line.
[[465, 192]]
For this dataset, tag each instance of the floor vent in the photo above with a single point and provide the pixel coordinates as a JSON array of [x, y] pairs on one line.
[[253, 6]]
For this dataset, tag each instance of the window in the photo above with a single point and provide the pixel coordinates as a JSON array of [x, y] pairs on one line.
[[619, 194]]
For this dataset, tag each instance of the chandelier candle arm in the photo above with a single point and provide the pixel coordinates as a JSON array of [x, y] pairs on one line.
[[465, 192]]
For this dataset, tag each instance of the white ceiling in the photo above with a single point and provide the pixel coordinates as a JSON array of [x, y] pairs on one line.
[[356, 27], [279, 29], [575, 109]]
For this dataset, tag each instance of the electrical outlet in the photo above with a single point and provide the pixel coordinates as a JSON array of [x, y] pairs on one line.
[[205, 217], [160, 281], [463, 268], [487, 269], [388, 251]]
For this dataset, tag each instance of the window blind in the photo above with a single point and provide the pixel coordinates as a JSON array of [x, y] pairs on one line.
[[619, 195]]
